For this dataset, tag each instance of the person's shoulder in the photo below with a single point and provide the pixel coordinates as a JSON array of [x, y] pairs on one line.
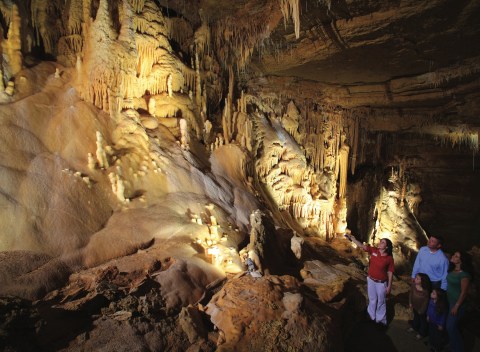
[[444, 256], [466, 274]]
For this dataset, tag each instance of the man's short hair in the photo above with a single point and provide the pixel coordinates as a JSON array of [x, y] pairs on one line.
[[439, 239]]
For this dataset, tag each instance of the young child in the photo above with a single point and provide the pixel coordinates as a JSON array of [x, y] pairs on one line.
[[436, 317], [419, 298]]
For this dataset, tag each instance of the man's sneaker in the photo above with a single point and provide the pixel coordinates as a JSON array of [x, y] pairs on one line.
[[418, 337], [410, 330]]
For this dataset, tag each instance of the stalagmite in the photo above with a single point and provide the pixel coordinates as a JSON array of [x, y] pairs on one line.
[[341, 215], [91, 161], [120, 189], [10, 90], [208, 128], [184, 133], [296, 245], [78, 66], [100, 153], [113, 182], [152, 106]]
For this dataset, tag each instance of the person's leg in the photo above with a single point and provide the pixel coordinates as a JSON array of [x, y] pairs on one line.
[[454, 335], [416, 321], [423, 324], [434, 336], [381, 312], [372, 298]]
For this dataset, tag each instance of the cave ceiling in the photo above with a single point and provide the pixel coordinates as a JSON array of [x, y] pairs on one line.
[[394, 54]]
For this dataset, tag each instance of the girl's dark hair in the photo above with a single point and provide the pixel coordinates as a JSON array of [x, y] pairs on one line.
[[426, 283], [441, 305], [389, 248]]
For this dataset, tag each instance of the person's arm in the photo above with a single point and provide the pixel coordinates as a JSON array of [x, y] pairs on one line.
[[464, 285], [390, 278], [352, 238], [424, 307], [443, 284], [416, 266]]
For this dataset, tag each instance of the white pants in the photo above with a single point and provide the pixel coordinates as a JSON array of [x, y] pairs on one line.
[[377, 304]]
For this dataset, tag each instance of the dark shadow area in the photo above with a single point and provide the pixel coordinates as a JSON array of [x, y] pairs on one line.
[[366, 335], [470, 328], [60, 327]]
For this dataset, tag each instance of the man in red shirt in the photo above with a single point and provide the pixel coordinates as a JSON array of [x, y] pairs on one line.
[[380, 275]]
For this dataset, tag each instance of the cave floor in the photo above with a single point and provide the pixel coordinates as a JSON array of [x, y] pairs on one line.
[[396, 338]]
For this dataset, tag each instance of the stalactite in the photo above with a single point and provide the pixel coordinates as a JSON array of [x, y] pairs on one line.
[[363, 141], [198, 83], [127, 32], [403, 191], [189, 77], [75, 16], [225, 122], [378, 147], [227, 112], [179, 30], [343, 161], [74, 42], [235, 40], [355, 145], [202, 39], [402, 167], [147, 54], [138, 5], [11, 47], [43, 21], [291, 8], [2, 85]]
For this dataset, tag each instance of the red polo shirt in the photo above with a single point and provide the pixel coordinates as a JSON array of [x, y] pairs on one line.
[[379, 264]]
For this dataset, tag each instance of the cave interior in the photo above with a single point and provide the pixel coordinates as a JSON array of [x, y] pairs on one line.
[[153, 150]]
